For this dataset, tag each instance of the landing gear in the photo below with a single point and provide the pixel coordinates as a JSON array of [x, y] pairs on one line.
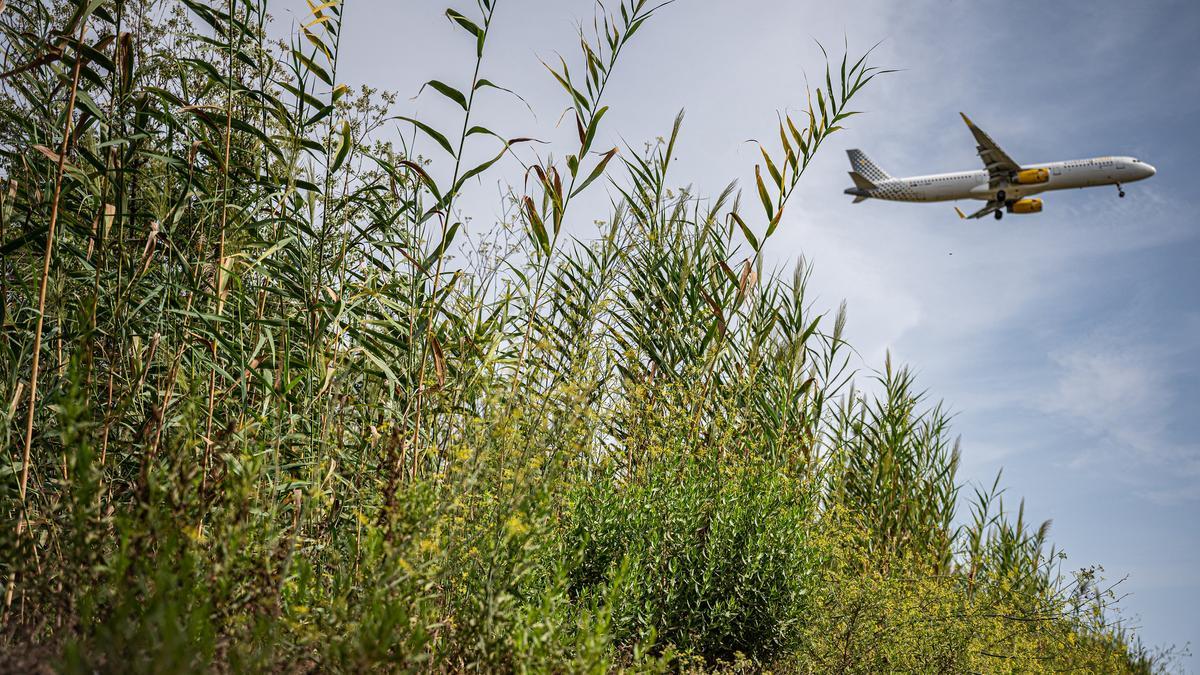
[[999, 214], [1120, 191], [1000, 196]]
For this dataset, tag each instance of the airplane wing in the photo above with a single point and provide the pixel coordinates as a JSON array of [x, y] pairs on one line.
[[991, 206], [999, 165]]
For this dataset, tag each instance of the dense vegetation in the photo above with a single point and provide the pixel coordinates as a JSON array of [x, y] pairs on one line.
[[268, 404]]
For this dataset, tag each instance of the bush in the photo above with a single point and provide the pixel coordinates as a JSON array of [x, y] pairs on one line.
[[710, 559]]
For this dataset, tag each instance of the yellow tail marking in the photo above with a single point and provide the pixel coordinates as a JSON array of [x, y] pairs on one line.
[[960, 213]]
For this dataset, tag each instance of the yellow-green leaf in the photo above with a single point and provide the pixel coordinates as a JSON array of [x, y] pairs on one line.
[[762, 193], [343, 148]]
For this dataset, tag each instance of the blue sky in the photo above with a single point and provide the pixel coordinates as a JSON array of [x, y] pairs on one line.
[[1068, 342]]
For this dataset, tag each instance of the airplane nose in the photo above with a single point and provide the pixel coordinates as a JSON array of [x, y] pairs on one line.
[[1150, 170]]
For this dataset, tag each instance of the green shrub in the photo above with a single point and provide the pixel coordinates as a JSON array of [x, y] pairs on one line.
[[709, 558]]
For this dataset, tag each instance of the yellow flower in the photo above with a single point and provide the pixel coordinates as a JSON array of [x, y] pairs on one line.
[[515, 526]]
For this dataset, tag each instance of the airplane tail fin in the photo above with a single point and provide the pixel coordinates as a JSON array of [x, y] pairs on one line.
[[866, 168], [861, 182], [862, 187]]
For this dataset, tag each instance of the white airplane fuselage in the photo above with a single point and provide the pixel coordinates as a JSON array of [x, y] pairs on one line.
[[942, 187]]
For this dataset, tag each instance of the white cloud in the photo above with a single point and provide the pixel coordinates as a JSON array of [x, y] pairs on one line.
[[1118, 388], [1115, 390]]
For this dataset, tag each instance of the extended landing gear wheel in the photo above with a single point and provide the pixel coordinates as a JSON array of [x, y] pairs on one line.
[[999, 214], [1000, 196], [1120, 191]]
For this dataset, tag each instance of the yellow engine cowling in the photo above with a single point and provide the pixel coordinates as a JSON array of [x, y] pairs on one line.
[[1027, 205], [1031, 176]]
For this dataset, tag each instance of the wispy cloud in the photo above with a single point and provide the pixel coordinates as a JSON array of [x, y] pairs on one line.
[[1119, 388], [1114, 389]]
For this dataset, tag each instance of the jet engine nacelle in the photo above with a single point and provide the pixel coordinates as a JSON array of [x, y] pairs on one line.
[[1031, 176], [1028, 205]]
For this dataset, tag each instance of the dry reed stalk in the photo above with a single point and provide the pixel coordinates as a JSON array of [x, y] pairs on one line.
[[37, 335], [218, 273]]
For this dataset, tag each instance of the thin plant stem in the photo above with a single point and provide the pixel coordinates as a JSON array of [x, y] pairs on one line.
[[45, 279]]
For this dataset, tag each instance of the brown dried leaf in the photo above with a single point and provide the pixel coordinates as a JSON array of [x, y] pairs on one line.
[[439, 360], [52, 155]]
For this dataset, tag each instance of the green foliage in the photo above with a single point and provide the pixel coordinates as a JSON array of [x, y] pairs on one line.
[[272, 402], [711, 558]]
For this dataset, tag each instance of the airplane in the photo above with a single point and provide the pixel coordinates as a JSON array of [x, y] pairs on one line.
[[1006, 185]]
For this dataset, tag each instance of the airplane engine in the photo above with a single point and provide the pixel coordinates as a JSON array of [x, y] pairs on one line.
[[1026, 206], [1031, 177]]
